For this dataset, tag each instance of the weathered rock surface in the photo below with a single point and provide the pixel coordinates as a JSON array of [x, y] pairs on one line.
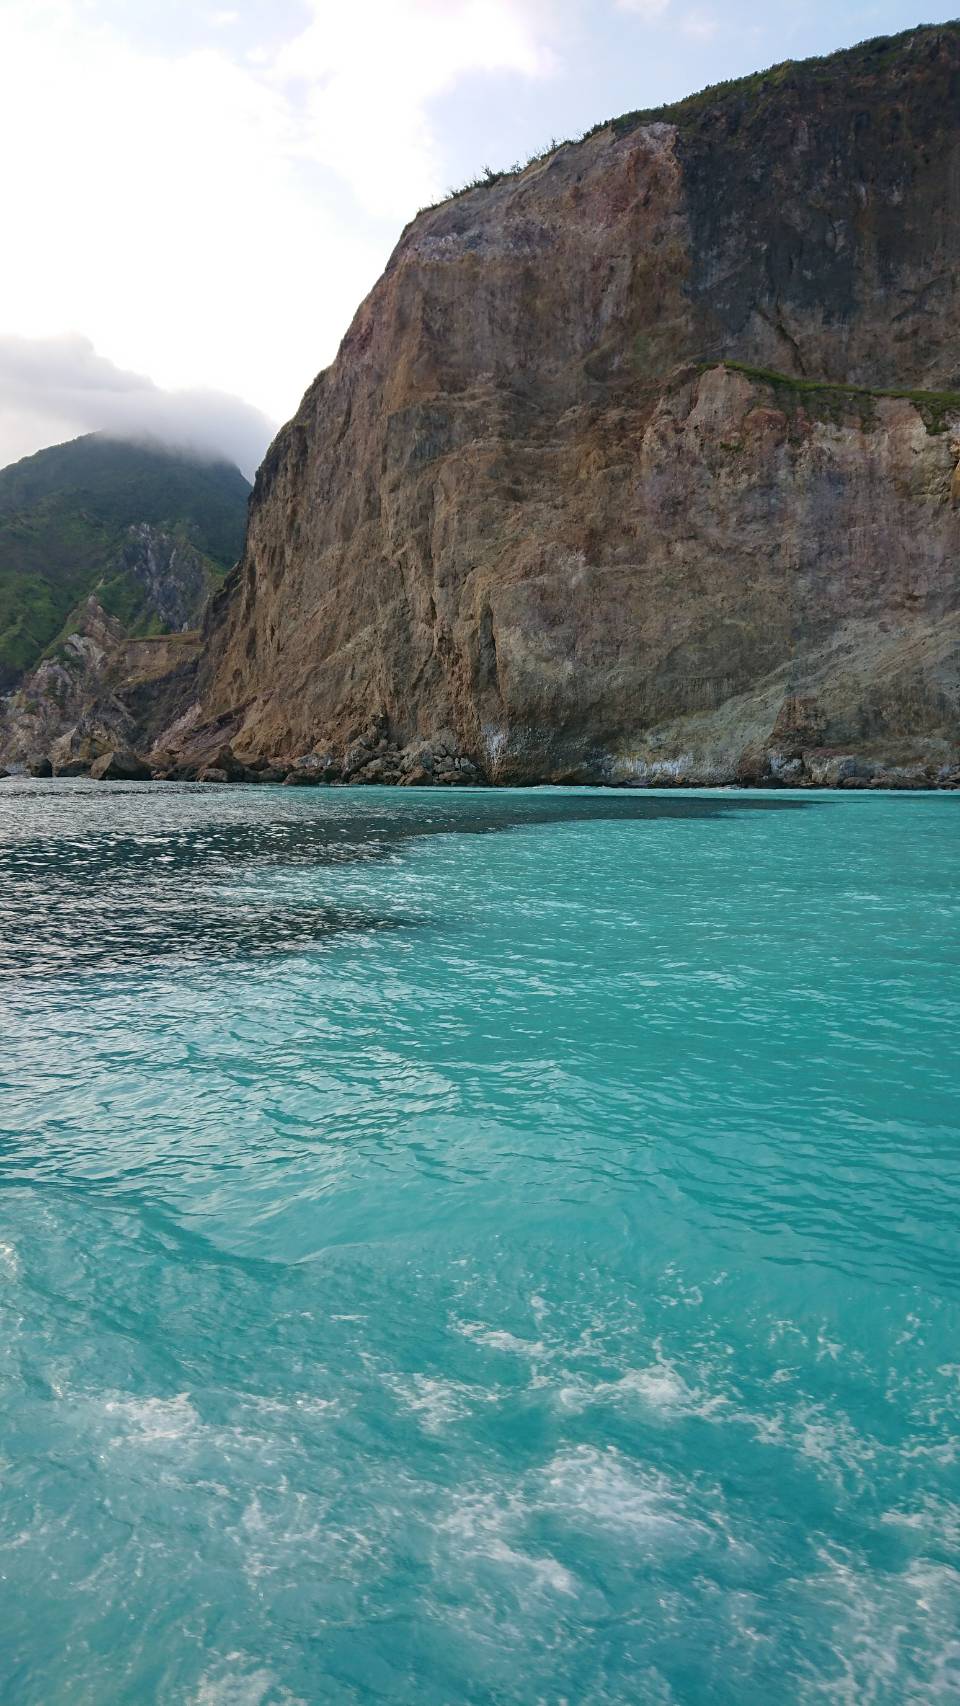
[[607, 482], [104, 546], [122, 765], [173, 576], [101, 691]]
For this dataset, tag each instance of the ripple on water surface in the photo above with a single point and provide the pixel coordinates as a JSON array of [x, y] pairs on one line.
[[478, 1247]]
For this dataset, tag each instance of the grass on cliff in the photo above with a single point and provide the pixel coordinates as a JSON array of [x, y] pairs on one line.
[[867, 57], [833, 399], [864, 58], [491, 175]]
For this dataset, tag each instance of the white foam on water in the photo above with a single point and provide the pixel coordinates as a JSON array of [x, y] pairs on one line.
[[9, 1262], [600, 1488], [480, 1517], [152, 1420], [273, 1541], [232, 1685], [298, 1522], [657, 1387], [546, 1572], [499, 1340], [828, 1441], [877, 1622], [904, 1519], [936, 1518], [942, 1452], [301, 1404], [828, 1348], [946, 1672], [833, 1444], [307, 1406], [488, 1527], [434, 1401]]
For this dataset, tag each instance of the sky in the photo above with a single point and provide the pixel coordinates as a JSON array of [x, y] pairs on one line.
[[198, 196]]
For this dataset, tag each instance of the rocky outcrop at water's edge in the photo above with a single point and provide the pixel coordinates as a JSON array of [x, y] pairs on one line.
[[101, 692], [639, 466]]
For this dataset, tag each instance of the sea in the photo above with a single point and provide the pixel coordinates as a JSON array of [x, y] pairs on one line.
[[478, 1248]]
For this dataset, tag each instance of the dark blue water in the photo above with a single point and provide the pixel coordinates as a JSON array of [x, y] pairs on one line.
[[478, 1247]]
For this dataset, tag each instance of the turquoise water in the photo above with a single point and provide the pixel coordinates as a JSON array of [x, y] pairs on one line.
[[478, 1247]]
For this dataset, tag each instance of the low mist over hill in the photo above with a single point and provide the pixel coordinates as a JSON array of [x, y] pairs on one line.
[[144, 530]]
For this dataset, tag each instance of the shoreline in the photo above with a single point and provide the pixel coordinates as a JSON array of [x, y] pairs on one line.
[[847, 786]]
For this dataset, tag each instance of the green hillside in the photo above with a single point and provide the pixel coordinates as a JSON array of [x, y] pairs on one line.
[[66, 516]]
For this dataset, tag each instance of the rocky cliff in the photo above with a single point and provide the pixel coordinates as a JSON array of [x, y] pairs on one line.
[[146, 530], [104, 548], [100, 690], [640, 463]]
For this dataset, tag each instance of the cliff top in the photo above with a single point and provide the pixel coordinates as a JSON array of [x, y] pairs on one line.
[[880, 57]]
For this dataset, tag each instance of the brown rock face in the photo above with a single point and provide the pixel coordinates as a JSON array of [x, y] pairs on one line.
[[120, 766], [607, 477], [100, 691]]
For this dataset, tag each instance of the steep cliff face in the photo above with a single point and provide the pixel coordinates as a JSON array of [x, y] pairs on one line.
[[611, 479], [98, 691], [173, 580]]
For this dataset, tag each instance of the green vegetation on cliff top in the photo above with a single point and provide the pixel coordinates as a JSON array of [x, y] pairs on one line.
[[868, 58], [877, 56], [65, 515]]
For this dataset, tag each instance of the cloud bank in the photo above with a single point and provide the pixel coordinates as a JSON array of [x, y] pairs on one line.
[[211, 204], [53, 389]]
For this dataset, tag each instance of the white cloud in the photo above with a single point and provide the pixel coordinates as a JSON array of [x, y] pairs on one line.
[[700, 25], [368, 71], [158, 204], [648, 10], [56, 388], [216, 220]]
